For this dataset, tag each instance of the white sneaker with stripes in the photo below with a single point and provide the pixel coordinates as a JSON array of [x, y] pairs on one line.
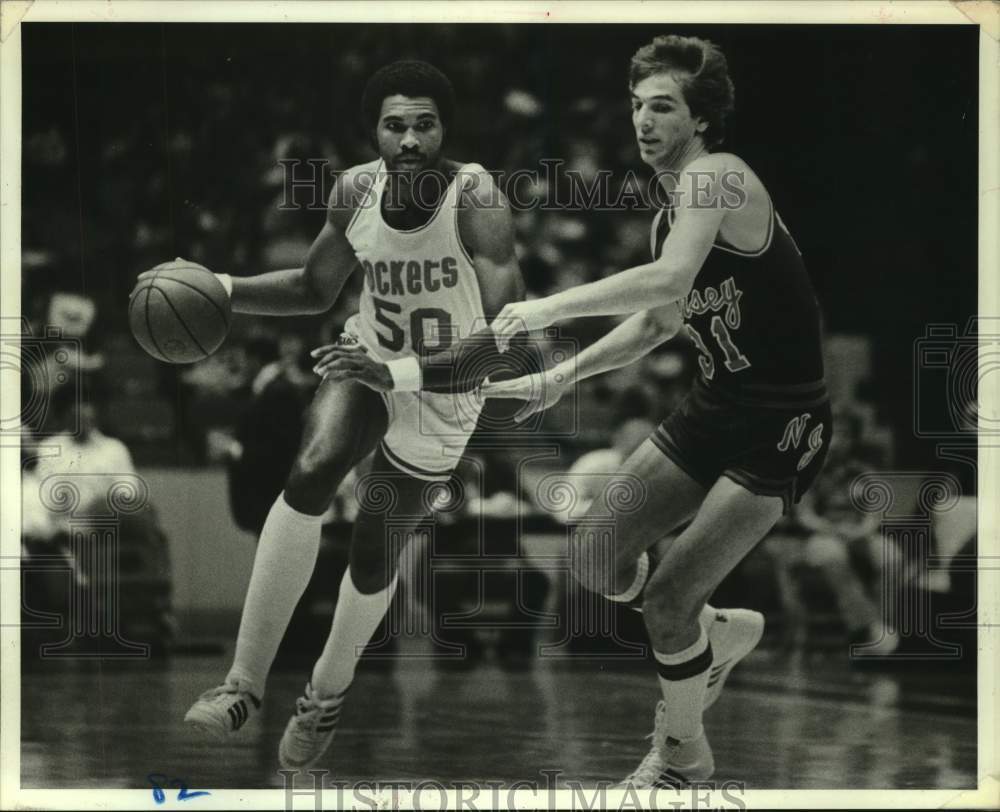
[[310, 730], [220, 712], [671, 762], [733, 634]]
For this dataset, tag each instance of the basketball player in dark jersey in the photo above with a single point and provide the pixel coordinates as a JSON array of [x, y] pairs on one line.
[[753, 432]]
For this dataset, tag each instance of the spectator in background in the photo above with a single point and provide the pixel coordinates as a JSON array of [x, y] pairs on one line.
[[86, 455], [293, 356], [840, 544], [485, 484], [267, 435], [91, 463], [590, 473]]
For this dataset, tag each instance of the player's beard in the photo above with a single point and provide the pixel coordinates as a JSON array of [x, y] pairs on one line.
[[424, 161], [422, 188], [409, 162]]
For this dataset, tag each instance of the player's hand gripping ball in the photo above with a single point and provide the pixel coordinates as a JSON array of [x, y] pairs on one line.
[[179, 312]]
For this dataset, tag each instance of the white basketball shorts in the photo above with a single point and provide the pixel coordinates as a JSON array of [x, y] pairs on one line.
[[427, 431]]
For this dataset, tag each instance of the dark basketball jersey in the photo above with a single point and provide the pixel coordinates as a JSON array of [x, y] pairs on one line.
[[754, 318]]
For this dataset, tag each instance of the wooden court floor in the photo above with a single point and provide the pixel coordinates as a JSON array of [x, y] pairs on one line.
[[780, 723]]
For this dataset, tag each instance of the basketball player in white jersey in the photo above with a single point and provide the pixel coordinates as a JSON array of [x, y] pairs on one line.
[[435, 241]]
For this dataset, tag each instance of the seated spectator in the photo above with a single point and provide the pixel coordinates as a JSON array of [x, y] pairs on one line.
[[85, 454], [74, 314], [489, 486], [837, 536], [267, 435], [77, 452]]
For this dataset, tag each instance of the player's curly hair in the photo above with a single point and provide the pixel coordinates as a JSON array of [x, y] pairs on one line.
[[408, 77], [700, 68]]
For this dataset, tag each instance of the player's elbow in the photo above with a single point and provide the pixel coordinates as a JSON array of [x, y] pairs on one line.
[[660, 325], [316, 307], [674, 278]]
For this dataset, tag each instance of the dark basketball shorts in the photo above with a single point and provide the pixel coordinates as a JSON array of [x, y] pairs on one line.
[[773, 443]]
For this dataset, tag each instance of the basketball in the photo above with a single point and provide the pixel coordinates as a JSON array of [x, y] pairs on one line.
[[181, 314]]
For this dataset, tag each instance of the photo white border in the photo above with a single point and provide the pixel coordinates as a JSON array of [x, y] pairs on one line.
[[13, 12]]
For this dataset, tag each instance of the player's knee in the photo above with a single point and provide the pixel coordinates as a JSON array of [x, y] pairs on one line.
[[314, 478], [825, 551], [370, 577]]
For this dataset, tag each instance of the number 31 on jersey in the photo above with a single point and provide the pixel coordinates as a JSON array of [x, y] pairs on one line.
[[734, 360]]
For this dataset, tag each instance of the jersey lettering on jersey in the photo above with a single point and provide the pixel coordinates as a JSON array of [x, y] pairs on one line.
[[792, 438], [815, 444], [410, 277], [420, 292], [711, 299], [794, 430]]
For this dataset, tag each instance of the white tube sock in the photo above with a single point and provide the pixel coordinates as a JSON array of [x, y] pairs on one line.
[[354, 622], [683, 681], [282, 567]]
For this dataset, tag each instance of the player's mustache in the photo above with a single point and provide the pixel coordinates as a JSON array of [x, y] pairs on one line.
[[406, 156]]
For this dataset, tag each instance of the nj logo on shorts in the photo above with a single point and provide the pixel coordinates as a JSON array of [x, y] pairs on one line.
[[792, 437]]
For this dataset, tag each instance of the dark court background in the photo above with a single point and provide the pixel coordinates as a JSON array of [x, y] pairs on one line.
[[146, 142]]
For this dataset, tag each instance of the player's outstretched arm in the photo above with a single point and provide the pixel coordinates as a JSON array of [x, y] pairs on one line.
[[330, 261], [314, 287], [627, 343], [654, 284]]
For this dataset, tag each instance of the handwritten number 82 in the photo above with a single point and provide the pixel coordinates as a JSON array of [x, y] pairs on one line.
[[183, 794]]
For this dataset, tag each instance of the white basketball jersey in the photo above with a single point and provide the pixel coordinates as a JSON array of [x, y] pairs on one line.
[[420, 292]]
